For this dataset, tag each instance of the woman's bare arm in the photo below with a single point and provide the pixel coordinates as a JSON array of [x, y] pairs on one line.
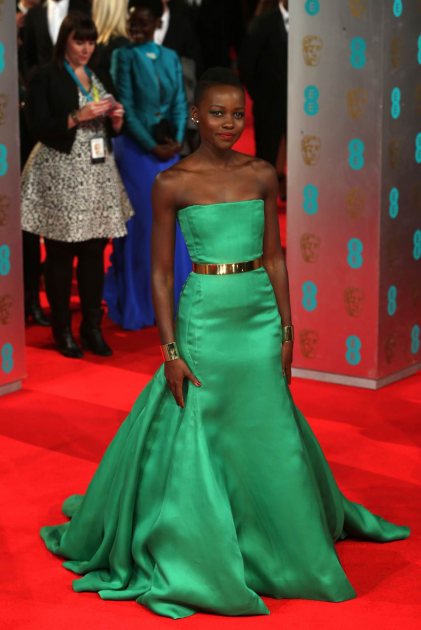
[[163, 246], [274, 260]]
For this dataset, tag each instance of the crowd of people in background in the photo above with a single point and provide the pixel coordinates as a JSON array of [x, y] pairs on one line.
[[105, 89]]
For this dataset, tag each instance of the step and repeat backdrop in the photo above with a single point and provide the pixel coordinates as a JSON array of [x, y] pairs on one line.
[[354, 188], [11, 298]]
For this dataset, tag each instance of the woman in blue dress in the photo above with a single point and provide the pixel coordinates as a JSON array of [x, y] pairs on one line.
[[149, 83]]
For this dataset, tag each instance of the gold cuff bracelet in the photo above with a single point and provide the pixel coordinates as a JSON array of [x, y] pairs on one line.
[[170, 351]]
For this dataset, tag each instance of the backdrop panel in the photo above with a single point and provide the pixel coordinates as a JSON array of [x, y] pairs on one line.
[[11, 291], [343, 129]]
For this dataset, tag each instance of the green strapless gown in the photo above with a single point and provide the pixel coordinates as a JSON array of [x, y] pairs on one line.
[[208, 507]]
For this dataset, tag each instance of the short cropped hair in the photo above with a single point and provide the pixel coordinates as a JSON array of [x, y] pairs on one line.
[[155, 7], [215, 76], [81, 25]]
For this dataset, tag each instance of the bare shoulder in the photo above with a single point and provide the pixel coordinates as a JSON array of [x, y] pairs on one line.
[[172, 183], [167, 182], [262, 171]]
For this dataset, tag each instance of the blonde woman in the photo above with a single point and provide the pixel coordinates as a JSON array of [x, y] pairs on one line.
[[110, 17]]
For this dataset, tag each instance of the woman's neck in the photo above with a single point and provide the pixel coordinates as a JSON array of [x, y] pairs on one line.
[[75, 67], [218, 158]]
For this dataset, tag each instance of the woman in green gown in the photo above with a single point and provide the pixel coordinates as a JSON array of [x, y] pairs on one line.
[[214, 490]]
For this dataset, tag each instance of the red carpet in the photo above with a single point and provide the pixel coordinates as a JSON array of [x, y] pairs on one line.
[[53, 433]]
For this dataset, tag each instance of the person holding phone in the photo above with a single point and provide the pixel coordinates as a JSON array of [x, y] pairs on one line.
[[149, 82], [72, 194]]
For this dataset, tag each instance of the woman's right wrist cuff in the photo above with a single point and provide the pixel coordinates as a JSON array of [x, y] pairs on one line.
[[170, 351]]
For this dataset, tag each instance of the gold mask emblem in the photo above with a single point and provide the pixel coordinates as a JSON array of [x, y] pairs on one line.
[[357, 8], [416, 198], [354, 202], [309, 341], [354, 300], [310, 245], [312, 49], [418, 99], [310, 148], [3, 108], [396, 52], [4, 206], [392, 251], [416, 296], [6, 303], [390, 348], [356, 101], [394, 153]]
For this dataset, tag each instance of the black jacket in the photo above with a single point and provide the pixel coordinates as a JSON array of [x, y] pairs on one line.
[[263, 63], [101, 59], [182, 38], [37, 44], [52, 95]]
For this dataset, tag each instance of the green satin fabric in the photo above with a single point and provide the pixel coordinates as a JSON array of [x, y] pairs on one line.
[[208, 507]]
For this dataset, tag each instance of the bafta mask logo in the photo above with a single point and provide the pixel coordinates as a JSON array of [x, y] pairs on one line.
[[6, 303], [310, 246], [354, 300], [310, 148], [394, 153], [312, 49], [390, 348], [392, 252], [3, 108], [356, 101], [309, 341], [358, 8], [4, 207], [416, 197], [396, 52], [418, 99], [355, 203], [416, 296]]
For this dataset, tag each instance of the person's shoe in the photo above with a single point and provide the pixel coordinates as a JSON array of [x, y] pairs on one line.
[[66, 344], [34, 313], [90, 332], [93, 340]]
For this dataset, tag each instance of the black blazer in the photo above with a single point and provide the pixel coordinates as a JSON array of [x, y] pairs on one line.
[[263, 64], [101, 59], [182, 38], [37, 44], [52, 95]]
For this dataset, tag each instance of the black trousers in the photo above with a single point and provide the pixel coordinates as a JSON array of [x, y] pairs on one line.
[[90, 278], [31, 264]]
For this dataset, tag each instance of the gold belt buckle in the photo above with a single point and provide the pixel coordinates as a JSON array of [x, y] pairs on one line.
[[223, 269]]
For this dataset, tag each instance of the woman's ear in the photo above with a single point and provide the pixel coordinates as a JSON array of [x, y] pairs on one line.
[[194, 113]]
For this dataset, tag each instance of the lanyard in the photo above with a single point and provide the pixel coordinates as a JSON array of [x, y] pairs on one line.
[[76, 79]]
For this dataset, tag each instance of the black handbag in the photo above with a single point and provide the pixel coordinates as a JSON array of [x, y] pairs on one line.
[[164, 131]]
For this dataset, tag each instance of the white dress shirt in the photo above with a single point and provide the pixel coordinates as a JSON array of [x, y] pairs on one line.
[[161, 32], [22, 8], [56, 12], [285, 15]]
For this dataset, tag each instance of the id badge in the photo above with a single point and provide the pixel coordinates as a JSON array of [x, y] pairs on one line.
[[97, 150]]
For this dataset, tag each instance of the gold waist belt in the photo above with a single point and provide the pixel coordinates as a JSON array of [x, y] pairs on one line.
[[223, 269]]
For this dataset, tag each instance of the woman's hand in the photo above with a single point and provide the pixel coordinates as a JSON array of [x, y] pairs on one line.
[[175, 373], [286, 359], [166, 151], [117, 117], [92, 110]]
